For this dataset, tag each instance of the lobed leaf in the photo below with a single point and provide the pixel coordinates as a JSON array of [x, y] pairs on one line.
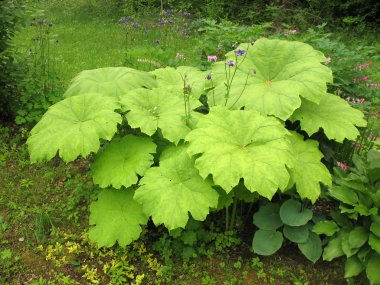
[[117, 218], [242, 144], [308, 171], [160, 108], [271, 76], [175, 188], [74, 127], [122, 160], [109, 81], [333, 114]]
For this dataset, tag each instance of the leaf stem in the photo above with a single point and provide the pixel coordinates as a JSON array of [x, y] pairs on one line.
[[233, 213]]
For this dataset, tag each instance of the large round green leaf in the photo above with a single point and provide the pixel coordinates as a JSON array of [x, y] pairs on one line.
[[372, 269], [271, 76], [308, 170], [333, 114], [183, 75], [117, 217], [312, 248], [160, 108], [267, 242], [110, 81], [169, 192], [242, 144], [268, 217], [296, 234], [292, 214], [122, 160], [74, 127]]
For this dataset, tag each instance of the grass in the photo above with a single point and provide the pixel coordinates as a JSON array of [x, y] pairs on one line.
[[78, 46]]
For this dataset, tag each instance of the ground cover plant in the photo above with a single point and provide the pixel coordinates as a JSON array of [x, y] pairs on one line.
[[213, 148]]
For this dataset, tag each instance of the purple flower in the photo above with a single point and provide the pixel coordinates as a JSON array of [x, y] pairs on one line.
[[230, 63], [170, 22], [208, 76], [135, 26], [157, 42], [169, 12], [40, 22], [145, 31], [162, 22], [184, 32], [124, 20], [240, 52], [186, 14]]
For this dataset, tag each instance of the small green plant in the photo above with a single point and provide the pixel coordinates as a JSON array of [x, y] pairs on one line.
[[295, 220], [8, 264], [354, 232]]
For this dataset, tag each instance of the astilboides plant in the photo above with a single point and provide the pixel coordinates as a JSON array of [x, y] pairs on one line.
[[156, 156]]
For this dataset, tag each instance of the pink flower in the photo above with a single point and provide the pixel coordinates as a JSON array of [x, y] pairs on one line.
[[212, 58], [362, 66], [293, 31], [356, 145], [180, 55], [360, 79], [348, 99], [328, 60], [342, 166], [374, 85]]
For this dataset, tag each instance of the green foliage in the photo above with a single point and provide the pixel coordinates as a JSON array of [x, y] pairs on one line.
[[122, 160], [295, 221], [110, 81], [269, 71], [12, 16], [174, 189], [307, 171], [73, 127], [355, 231], [205, 161], [114, 212], [245, 145], [331, 115]]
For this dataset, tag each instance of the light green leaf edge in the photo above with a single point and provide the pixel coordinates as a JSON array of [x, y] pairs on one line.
[[74, 127], [122, 160], [117, 218], [174, 189], [333, 114], [242, 144]]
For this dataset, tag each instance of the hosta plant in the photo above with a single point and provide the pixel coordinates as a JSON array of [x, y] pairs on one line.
[[157, 157], [354, 232], [291, 220]]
